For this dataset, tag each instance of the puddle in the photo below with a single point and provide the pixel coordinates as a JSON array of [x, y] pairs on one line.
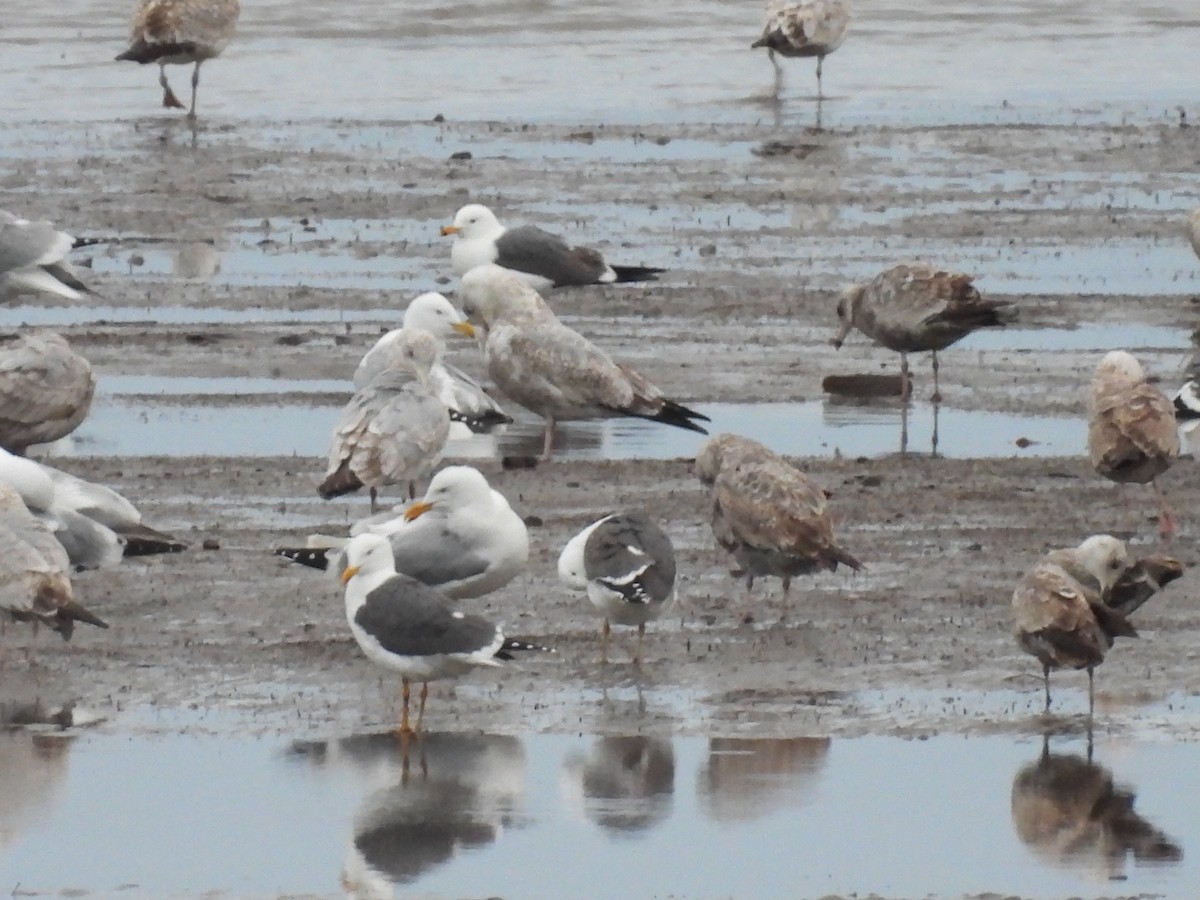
[[484, 815]]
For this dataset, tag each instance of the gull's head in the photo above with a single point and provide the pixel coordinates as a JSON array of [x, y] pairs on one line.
[[1118, 369], [414, 350], [474, 221], [713, 454], [454, 487], [432, 312], [368, 555], [1105, 557], [848, 302], [491, 292]]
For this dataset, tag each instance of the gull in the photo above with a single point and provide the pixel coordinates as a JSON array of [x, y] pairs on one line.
[[406, 626], [914, 307], [472, 410], [33, 257], [1193, 229], [544, 260], [1132, 432], [1075, 602], [626, 563], [393, 430], [462, 537], [551, 369], [814, 28], [46, 389], [180, 32], [772, 517]]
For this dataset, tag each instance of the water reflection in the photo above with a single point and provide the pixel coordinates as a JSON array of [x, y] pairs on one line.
[[33, 771], [747, 778], [623, 784], [196, 260], [1067, 809]]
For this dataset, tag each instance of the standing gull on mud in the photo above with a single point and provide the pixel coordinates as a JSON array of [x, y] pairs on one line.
[[551, 369], [33, 257], [46, 389], [771, 516], [393, 430], [406, 626], [1132, 432], [626, 564], [544, 260], [813, 28], [180, 32]]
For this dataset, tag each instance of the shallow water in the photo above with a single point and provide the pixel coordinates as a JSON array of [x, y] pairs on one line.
[[487, 815]]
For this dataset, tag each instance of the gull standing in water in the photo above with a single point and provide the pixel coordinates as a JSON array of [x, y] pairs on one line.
[[813, 28], [181, 32], [33, 257]]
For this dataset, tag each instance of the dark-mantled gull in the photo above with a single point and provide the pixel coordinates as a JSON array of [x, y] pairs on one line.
[[404, 625], [393, 430], [813, 28], [1072, 605], [462, 537], [180, 32], [1187, 401], [544, 260], [1132, 433], [472, 410], [46, 389], [33, 257], [552, 369], [914, 307], [626, 563], [772, 517]]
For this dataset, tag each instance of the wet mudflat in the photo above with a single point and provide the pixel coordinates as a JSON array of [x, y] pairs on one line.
[[871, 730]]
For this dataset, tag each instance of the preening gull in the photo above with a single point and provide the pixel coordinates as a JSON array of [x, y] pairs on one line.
[[544, 260], [393, 430], [472, 410], [33, 257], [626, 563], [914, 307], [551, 369], [46, 389], [406, 626], [814, 28], [34, 584], [1074, 603], [462, 537], [771, 516], [180, 32], [1132, 433]]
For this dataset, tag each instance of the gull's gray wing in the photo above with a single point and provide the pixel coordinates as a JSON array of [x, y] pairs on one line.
[[436, 555], [537, 252], [24, 243], [629, 554], [411, 619]]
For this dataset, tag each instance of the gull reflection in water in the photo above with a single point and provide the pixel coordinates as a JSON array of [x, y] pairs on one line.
[[1068, 811], [623, 784], [198, 259], [433, 797], [746, 778], [33, 771]]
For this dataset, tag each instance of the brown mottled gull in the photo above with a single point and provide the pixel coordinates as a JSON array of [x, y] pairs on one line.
[[393, 430], [551, 369], [33, 257], [1132, 433], [913, 307], [813, 28], [180, 32], [46, 389], [771, 516]]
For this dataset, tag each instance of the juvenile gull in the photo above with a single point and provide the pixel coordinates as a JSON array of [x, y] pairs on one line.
[[544, 260], [772, 517], [1074, 603], [33, 257], [626, 563], [180, 32], [406, 626], [46, 389], [462, 537], [814, 28], [472, 410], [393, 430], [551, 369], [913, 307], [1132, 433]]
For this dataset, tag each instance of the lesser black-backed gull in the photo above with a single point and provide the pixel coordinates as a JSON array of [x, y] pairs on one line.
[[1132, 432], [46, 389], [544, 260], [406, 626], [552, 369], [813, 28], [180, 32], [33, 257], [626, 563], [914, 307]]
